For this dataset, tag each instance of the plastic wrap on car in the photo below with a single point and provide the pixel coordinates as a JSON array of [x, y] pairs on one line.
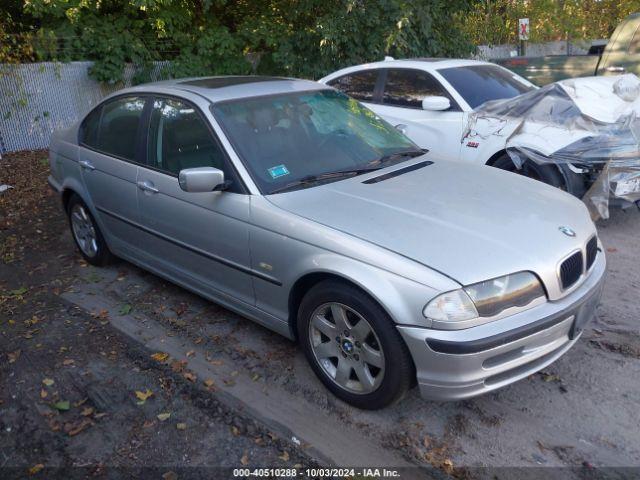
[[586, 126]]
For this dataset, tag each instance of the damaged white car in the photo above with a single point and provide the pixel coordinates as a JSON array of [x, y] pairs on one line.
[[579, 135]]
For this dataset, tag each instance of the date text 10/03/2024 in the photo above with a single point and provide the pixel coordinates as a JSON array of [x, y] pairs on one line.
[[332, 473]]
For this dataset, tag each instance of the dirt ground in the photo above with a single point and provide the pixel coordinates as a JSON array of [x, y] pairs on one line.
[[115, 367]]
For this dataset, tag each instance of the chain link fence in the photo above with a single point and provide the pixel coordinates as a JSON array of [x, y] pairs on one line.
[[39, 98]]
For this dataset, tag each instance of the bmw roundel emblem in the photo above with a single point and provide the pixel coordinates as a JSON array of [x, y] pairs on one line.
[[567, 231]]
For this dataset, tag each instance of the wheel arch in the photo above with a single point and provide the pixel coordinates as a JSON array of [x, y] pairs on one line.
[[305, 283], [400, 298], [496, 156]]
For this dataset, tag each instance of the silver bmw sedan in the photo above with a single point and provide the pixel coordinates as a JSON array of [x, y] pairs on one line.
[[295, 206]]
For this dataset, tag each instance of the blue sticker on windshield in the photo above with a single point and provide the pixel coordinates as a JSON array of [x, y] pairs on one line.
[[278, 171]]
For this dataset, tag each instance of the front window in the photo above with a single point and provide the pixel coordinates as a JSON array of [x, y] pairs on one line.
[[480, 83], [296, 140], [407, 88]]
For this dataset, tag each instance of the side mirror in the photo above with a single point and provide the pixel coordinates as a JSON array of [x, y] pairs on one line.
[[201, 179], [436, 103]]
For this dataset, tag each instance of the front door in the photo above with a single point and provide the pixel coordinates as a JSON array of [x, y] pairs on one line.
[[199, 239], [438, 131]]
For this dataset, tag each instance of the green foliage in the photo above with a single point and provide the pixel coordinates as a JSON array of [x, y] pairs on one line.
[[495, 22], [306, 38]]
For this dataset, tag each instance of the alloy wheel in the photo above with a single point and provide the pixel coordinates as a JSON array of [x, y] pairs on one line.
[[347, 348], [83, 230]]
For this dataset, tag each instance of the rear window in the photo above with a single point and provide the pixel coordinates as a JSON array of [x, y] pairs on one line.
[[481, 83], [113, 127]]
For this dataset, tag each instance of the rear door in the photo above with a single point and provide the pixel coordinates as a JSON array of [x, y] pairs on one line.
[[198, 239], [109, 154], [402, 95]]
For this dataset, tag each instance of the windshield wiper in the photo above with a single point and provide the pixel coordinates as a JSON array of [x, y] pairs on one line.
[[313, 179], [391, 157]]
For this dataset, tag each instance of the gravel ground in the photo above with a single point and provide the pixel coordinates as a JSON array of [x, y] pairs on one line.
[[579, 413], [78, 393]]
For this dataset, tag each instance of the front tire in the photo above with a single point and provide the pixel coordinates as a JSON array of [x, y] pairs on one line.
[[353, 346], [86, 233], [548, 174]]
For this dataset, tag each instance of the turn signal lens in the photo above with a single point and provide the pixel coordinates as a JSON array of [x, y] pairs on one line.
[[454, 306]]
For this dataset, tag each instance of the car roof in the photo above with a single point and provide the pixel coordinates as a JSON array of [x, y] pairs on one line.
[[428, 64], [229, 87]]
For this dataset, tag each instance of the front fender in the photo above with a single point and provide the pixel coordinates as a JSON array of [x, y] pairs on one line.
[[401, 298]]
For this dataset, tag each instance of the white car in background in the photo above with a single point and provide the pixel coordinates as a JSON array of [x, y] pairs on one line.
[[432, 101]]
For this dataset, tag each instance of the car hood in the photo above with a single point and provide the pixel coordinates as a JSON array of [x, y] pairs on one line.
[[468, 222]]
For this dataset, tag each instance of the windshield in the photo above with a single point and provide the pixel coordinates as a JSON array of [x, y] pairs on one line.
[[480, 83], [301, 139]]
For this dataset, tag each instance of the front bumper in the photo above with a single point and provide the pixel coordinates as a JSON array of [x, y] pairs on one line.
[[457, 364]]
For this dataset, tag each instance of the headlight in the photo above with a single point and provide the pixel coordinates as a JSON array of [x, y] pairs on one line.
[[485, 301]]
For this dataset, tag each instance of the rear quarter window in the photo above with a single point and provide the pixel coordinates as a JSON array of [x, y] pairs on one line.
[[89, 128]]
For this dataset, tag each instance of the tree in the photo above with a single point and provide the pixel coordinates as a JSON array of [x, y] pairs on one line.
[[201, 37]]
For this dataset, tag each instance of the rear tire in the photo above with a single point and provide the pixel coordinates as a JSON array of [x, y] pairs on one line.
[[353, 346], [559, 176], [86, 233]]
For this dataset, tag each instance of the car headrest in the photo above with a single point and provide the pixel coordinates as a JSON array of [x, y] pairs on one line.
[[262, 120]]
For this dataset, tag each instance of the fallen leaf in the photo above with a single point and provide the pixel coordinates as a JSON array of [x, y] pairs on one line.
[[255, 377], [178, 365], [447, 465], [189, 376], [181, 309], [13, 356], [36, 468], [125, 309], [62, 405], [181, 426], [191, 353], [209, 383], [143, 396], [48, 382], [148, 424], [235, 430], [244, 460], [43, 393], [72, 429], [198, 340], [160, 356], [86, 411], [68, 361], [164, 416], [547, 377], [216, 363], [285, 456], [18, 292]]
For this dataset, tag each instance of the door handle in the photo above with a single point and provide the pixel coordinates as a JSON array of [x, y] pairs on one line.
[[86, 165], [615, 69], [147, 186]]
